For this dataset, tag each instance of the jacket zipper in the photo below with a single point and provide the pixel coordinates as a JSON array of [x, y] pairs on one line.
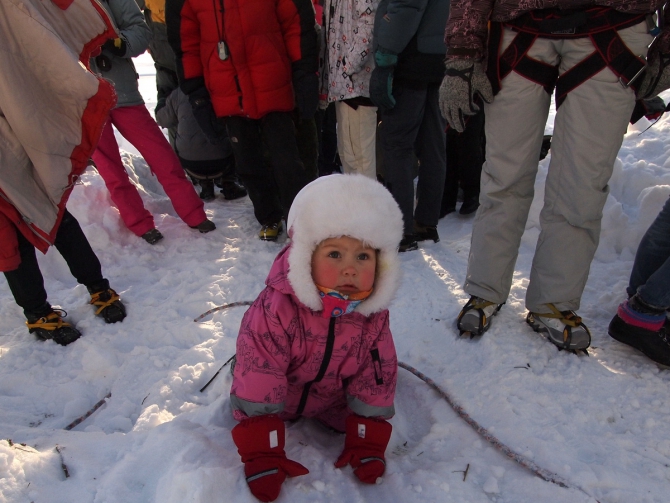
[[330, 342]]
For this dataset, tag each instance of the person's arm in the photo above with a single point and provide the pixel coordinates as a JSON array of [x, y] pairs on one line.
[[467, 28], [364, 21], [183, 31], [134, 33]]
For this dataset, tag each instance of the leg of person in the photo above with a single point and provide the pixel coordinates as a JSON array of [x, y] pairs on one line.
[[515, 122], [308, 144], [472, 158], [432, 153], [356, 137], [397, 135], [256, 176], [588, 132], [123, 193], [27, 286], [138, 127], [289, 173], [84, 265], [453, 175], [327, 140], [650, 277]]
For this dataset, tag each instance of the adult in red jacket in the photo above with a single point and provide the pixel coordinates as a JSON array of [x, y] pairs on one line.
[[245, 65]]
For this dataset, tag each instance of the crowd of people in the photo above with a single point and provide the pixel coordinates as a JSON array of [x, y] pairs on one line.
[[415, 102]]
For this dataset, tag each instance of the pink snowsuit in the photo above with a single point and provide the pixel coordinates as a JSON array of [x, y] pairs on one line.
[[293, 361]]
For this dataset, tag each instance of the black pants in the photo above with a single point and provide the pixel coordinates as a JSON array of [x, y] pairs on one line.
[[271, 187], [465, 156], [26, 282]]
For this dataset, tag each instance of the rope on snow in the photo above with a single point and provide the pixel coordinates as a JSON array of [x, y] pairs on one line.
[[221, 308], [514, 456], [89, 413]]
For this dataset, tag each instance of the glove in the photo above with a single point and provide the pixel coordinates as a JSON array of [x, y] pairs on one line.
[[306, 87], [464, 81], [656, 76], [652, 109], [381, 80], [364, 445], [260, 442], [205, 116], [117, 46]]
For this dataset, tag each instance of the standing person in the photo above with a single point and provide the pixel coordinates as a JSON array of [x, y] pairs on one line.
[[641, 320], [53, 110], [410, 65], [134, 122], [316, 342], [345, 80], [245, 64], [593, 53]]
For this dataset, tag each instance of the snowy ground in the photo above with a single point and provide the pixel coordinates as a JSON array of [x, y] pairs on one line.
[[598, 422]]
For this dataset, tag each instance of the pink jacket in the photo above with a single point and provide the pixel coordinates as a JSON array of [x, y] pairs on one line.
[[293, 361]]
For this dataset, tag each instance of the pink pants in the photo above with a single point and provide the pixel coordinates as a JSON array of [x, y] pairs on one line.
[[138, 127]]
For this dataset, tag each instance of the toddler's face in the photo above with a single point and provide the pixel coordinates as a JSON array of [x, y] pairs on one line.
[[344, 264]]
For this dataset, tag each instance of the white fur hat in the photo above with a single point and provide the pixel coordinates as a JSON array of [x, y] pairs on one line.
[[345, 205]]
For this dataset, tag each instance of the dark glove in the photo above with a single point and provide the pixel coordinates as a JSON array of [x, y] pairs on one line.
[[364, 446], [652, 109], [381, 80], [203, 111], [464, 81], [306, 87], [260, 442], [656, 76], [117, 46]]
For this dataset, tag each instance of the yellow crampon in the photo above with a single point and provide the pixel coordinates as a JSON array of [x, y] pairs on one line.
[[101, 304], [52, 321]]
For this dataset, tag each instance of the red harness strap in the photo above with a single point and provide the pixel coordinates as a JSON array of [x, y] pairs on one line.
[[600, 24]]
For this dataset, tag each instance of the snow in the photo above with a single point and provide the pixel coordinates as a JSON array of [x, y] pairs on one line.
[[599, 422]]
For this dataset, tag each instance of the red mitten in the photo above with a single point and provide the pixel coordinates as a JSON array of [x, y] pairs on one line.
[[260, 442], [364, 446]]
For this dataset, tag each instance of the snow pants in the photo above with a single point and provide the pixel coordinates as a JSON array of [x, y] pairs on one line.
[[650, 277], [138, 127], [413, 128], [356, 138], [26, 281], [588, 133]]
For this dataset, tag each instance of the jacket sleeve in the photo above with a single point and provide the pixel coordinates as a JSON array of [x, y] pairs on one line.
[[262, 357], [364, 21], [371, 392], [395, 27], [132, 26], [298, 25], [167, 116], [467, 26], [183, 32]]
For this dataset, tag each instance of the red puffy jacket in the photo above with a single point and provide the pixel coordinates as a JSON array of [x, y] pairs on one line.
[[266, 39]]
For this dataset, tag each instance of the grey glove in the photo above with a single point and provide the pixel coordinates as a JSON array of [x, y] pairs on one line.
[[464, 80], [656, 76]]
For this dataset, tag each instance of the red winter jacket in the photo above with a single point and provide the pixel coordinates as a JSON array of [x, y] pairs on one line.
[[266, 39]]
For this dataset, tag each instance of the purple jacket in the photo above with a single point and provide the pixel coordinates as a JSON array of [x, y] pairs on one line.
[[284, 347]]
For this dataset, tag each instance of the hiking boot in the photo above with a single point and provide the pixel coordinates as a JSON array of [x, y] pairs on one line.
[[207, 190], [153, 236], [52, 327], [563, 328], [205, 226], [109, 305], [271, 232], [426, 232], [654, 344], [475, 317], [408, 243], [469, 206], [232, 190]]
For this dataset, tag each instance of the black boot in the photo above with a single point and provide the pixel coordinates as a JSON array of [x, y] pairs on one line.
[[207, 190], [52, 326], [108, 305], [232, 190]]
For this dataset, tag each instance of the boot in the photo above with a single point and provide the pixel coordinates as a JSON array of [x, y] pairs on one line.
[[475, 317], [206, 190], [52, 326], [232, 190], [563, 328], [108, 305]]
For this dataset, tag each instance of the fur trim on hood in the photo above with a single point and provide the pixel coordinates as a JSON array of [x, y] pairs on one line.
[[345, 205]]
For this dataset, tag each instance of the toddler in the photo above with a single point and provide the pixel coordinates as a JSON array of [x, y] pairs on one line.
[[316, 342]]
